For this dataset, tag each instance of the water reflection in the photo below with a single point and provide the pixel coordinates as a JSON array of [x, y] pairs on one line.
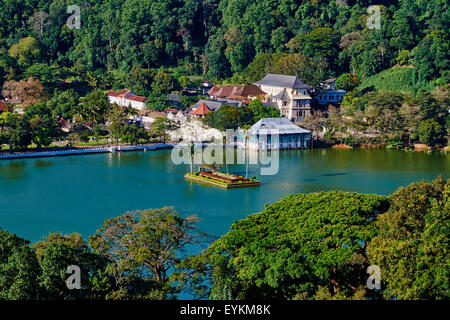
[[42, 163], [12, 169]]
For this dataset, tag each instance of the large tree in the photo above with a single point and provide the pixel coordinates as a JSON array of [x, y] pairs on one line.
[[93, 108], [146, 253], [56, 253], [19, 269], [302, 245], [44, 127], [412, 248], [28, 91]]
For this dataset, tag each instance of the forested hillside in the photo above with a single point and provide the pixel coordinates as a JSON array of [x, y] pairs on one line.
[[220, 38], [396, 71]]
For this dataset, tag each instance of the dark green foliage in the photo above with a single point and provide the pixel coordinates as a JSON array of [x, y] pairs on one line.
[[296, 246], [260, 112], [63, 103], [19, 131], [230, 117], [430, 132], [139, 80], [93, 108], [44, 127], [133, 134], [221, 37], [412, 248], [19, 269], [55, 254], [347, 81], [158, 102]]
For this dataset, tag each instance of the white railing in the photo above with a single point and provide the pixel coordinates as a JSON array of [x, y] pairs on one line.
[[84, 151]]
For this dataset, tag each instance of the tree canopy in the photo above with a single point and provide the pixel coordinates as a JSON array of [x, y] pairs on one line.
[[412, 247], [298, 247]]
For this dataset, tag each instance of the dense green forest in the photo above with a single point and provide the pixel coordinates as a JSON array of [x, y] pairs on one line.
[[305, 246], [221, 38], [397, 74]]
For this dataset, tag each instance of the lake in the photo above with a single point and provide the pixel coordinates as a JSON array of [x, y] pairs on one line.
[[77, 193]]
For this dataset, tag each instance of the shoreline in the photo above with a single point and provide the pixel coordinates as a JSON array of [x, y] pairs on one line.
[[85, 150], [71, 151]]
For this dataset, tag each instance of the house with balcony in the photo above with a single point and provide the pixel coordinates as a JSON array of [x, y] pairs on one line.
[[288, 93]]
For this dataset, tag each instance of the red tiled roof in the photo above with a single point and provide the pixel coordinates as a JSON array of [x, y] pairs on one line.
[[128, 94], [122, 93], [2, 105], [201, 110], [236, 91], [113, 93], [250, 90], [172, 110], [213, 90], [134, 97], [226, 91]]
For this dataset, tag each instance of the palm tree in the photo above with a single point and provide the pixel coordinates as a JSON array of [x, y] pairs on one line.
[[96, 106], [130, 111], [81, 114]]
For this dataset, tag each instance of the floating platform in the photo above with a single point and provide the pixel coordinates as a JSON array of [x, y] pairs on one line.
[[221, 180]]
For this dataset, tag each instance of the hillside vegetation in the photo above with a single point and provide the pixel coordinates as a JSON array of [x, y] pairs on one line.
[[403, 79], [156, 47], [220, 38]]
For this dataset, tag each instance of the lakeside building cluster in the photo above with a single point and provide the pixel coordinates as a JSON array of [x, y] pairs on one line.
[[289, 94]]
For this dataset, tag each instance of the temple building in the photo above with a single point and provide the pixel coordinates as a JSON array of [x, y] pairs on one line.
[[201, 111], [275, 133], [288, 93]]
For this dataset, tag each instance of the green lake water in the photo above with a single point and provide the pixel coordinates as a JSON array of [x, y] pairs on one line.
[[77, 193]]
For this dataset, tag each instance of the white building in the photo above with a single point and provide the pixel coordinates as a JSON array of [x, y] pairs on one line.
[[275, 133], [176, 116], [126, 98], [289, 93]]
